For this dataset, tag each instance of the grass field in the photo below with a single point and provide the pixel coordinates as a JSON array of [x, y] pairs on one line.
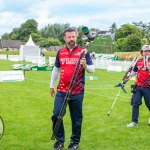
[[26, 108], [102, 44]]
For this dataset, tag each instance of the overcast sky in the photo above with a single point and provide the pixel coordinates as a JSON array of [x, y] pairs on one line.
[[92, 13]]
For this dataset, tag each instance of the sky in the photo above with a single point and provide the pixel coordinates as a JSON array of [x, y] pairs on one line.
[[99, 14]]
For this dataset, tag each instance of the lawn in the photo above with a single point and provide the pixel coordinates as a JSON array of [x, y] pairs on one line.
[[26, 108]]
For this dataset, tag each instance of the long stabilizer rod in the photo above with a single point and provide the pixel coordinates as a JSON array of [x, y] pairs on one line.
[[114, 103]]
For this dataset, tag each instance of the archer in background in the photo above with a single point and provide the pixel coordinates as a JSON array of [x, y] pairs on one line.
[[142, 84], [65, 63]]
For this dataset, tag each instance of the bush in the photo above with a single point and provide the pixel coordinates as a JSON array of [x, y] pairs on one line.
[[127, 55], [13, 52]]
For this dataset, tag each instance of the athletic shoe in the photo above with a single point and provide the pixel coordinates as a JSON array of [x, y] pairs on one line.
[[132, 124], [73, 146], [149, 121], [58, 145]]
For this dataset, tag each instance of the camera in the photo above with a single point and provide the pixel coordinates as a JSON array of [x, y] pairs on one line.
[[87, 35]]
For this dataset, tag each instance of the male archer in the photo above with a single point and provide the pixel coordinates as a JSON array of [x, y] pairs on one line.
[[65, 64], [142, 84]]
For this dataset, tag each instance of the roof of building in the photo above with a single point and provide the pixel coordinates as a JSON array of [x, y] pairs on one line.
[[10, 43]]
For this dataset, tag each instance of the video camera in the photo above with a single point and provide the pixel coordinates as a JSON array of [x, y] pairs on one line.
[[88, 36]]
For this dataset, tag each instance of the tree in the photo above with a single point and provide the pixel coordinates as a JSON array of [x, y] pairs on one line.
[[6, 36], [113, 28], [133, 43], [129, 44], [49, 42], [144, 41], [24, 31], [120, 45], [27, 28], [128, 38], [145, 28], [14, 35], [54, 31], [126, 30]]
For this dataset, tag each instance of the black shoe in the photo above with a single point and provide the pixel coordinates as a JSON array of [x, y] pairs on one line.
[[58, 145], [73, 146]]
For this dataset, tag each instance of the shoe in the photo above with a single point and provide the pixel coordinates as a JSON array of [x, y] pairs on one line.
[[73, 146], [132, 124], [58, 145], [148, 121]]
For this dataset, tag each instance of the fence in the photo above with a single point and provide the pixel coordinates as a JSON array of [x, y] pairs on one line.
[[33, 59], [108, 64], [99, 63], [116, 65]]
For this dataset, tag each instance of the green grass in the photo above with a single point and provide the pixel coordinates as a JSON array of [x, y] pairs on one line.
[[102, 44], [26, 108], [12, 52]]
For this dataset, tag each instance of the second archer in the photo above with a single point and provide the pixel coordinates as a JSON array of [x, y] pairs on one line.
[[142, 84]]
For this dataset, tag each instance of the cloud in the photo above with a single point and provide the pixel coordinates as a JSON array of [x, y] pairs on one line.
[[93, 13], [8, 21]]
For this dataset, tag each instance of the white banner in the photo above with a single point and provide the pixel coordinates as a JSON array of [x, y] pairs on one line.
[[114, 68], [8, 76]]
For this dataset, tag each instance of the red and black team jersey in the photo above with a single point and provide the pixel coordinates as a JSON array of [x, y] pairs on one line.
[[66, 61], [142, 73]]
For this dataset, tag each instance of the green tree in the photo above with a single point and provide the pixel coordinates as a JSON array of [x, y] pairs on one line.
[[126, 30], [54, 31], [128, 38], [133, 43], [144, 41], [6, 36], [49, 42], [27, 28], [129, 44], [120, 45], [14, 35], [113, 28], [36, 37], [145, 28], [24, 31]]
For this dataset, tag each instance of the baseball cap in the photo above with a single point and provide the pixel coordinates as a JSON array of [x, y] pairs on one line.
[[145, 47]]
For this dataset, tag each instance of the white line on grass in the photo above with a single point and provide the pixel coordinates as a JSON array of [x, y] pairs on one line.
[[104, 95], [89, 87], [103, 85], [39, 81]]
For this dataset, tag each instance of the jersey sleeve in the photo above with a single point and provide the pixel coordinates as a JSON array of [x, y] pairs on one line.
[[88, 59], [57, 62], [135, 69]]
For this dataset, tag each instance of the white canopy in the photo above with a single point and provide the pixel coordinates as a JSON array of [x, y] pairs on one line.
[[30, 42], [29, 49]]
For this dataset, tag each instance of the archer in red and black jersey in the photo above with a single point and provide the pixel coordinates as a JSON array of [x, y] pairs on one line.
[[142, 71], [66, 60], [142, 88], [65, 64]]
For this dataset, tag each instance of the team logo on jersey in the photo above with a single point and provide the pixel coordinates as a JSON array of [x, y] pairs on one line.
[[77, 53], [71, 61], [64, 53]]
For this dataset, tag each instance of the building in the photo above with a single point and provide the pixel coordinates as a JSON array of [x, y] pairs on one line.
[[10, 44]]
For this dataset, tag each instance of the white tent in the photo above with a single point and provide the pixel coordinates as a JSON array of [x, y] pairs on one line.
[[29, 49]]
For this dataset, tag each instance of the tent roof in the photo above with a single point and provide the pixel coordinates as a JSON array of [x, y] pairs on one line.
[[30, 42]]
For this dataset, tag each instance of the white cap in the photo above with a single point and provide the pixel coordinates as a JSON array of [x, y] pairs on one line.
[[145, 48]]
